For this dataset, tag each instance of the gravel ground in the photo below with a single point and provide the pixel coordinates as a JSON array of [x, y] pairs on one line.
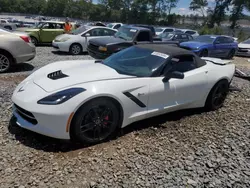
[[191, 148]]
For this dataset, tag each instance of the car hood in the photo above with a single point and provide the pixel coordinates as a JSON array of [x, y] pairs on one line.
[[193, 44], [25, 29], [106, 40], [72, 73], [241, 45]]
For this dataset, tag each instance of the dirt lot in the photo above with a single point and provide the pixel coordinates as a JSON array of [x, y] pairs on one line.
[[191, 148]]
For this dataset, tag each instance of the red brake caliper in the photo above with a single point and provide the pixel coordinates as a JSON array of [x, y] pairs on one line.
[[106, 118]]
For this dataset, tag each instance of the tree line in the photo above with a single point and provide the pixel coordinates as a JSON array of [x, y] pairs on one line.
[[130, 11]]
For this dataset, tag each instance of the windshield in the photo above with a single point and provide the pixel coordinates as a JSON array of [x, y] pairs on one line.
[[166, 35], [135, 61], [126, 33], [246, 41], [110, 25], [80, 30], [205, 39], [158, 30]]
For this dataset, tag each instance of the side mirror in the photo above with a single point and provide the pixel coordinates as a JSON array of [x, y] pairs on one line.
[[174, 74], [87, 35]]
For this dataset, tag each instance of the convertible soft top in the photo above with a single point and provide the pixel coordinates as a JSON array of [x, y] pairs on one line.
[[172, 51]]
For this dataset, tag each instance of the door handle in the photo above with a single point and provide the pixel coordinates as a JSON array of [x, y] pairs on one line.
[[141, 94]]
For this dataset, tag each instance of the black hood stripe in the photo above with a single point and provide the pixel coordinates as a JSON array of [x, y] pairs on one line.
[[134, 99]]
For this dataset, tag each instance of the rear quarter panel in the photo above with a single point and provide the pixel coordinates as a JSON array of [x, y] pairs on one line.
[[219, 72]]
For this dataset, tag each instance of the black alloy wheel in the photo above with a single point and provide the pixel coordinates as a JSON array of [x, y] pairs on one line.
[[96, 121]]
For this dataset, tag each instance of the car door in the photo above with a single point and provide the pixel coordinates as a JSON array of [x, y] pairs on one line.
[[178, 94], [47, 32], [58, 30], [220, 47]]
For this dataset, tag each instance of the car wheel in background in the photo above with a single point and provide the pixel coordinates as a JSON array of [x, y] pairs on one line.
[[95, 121], [8, 27], [231, 54], [34, 40], [75, 49], [217, 95], [5, 62], [204, 53]]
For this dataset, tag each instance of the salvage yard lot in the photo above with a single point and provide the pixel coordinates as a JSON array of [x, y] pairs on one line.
[[191, 148]]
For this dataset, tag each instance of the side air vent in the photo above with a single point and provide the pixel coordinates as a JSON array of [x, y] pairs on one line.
[[56, 75]]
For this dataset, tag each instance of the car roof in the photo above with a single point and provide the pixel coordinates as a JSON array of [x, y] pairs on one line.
[[166, 49], [53, 22], [173, 51]]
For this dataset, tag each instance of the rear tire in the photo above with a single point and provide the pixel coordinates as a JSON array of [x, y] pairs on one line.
[[5, 62], [75, 49], [204, 53], [34, 41], [95, 122], [217, 96], [231, 54]]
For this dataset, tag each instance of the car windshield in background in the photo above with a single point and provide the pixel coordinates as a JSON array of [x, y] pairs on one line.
[[167, 35], [110, 25], [205, 39], [158, 30], [126, 33], [80, 30], [246, 41], [136, 61]]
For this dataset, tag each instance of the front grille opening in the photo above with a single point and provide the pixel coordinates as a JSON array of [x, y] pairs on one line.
[[28, 116]]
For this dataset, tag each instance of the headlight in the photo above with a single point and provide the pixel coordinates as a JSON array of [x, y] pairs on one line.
[[102, 48], [64, 39], [61, 96]]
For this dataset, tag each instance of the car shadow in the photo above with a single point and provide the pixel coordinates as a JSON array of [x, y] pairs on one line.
[[66, 53], [21, 67], [47, 144]]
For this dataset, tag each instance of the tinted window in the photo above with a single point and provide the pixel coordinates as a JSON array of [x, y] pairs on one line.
[[110, 25], [228, 40], [190, 37], [177, 37], [183, 64], [159, 30], [136, 61], [190, 32], [168, 30], [97, 32], [246, 41], [117, 26], [220, 40], [184, 37], [205, 39], [167, 35], [3, 21], [143, 36]]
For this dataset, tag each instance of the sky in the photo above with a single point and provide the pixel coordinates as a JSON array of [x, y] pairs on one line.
[[183, 7]]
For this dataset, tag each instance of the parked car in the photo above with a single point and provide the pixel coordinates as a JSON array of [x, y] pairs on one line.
[[88, 101], [15, 47], [95, 24], [114, 25], [180, 37], [191, 32], [44, 32], [212, 46], [244, 48], [127, 36], [7, 25], [76, 42], [161, 30]]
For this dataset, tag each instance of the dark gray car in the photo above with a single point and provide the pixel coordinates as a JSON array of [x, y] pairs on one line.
[[176, 36]]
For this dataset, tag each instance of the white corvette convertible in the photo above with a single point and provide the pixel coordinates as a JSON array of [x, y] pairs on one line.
[[89, 100]]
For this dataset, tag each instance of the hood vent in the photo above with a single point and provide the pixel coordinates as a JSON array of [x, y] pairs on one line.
[[56, 75]]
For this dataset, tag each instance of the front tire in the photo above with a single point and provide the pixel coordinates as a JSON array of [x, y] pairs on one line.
[[217, 96], [5, 62], [95, 122], [231, 54], [75, 49], [204, 53]]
